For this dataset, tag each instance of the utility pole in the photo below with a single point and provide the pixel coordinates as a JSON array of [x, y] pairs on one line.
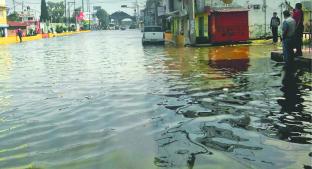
[[82, 5], [89, 9], [14, 6], [69, 13], [265, 16], [75, 14], [65, 11]]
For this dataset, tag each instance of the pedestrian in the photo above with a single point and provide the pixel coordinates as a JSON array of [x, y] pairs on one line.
[[275, 23], [19, 33], [288, 29], [299, 18]]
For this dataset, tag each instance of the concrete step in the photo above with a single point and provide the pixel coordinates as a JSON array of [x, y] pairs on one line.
[[305, 60]]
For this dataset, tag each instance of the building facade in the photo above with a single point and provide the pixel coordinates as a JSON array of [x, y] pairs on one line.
[[3, 19], [187, 22]]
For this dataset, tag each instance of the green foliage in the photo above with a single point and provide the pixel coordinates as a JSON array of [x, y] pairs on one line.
[[56, 11], [72, 28], [44, 17], [61, 29], [103, 17], [14, 17]]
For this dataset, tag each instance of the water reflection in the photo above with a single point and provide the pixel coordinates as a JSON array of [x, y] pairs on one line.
[[295, 120], [5, 71], [233, 59], [5, 63]]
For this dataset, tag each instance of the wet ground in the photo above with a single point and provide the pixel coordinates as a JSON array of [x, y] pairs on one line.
[[101, 100]]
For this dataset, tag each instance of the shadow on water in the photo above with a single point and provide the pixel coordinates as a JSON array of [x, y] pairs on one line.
[[295, 121]]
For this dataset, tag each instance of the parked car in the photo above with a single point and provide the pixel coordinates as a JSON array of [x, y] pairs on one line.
[[111, 26], [153, 34]]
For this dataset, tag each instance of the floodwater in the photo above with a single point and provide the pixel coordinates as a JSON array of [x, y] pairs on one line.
[[100, 100]]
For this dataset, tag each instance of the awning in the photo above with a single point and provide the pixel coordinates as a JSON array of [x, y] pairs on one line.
[[17, 24]]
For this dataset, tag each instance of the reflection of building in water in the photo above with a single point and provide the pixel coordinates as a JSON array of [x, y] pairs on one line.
[[231, 58], [5, 66], [295, 119], [205, 66]]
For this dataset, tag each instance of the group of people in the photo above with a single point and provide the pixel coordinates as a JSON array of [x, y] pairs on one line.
[[292, 32]]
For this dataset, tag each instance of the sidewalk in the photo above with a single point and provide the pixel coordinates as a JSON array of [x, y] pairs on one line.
[[15, 39], [305, 60]]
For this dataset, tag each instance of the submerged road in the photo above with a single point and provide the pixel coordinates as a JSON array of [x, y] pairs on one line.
[[101, 100]]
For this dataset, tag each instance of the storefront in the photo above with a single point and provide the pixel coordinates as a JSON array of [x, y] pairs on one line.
[[221, 25]]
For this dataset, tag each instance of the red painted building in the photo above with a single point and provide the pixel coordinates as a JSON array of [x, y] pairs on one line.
[[222, 25], [228, 25]]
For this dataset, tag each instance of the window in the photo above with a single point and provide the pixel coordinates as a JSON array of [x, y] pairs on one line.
[[152, 29]]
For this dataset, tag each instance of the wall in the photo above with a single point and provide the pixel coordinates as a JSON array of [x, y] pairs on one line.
[[2, 12], [307, 21]]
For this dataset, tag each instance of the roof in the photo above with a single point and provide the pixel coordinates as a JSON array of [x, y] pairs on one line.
[[21, 24], [230, 10]]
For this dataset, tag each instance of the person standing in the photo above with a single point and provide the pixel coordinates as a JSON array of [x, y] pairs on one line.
[[19, 33], [299, 18], [275, 23], [288, 35]]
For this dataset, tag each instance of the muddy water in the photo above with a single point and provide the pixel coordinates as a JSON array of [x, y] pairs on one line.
[[101, 100]]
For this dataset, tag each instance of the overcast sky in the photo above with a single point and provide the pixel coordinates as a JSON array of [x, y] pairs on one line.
[[109, 5], [114, 5]]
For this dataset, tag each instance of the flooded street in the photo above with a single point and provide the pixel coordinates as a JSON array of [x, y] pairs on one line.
[[102, 100]]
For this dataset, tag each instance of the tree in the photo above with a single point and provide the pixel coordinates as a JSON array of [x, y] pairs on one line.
[[44, 12], [14, 17], [103, 17], [56, 11]]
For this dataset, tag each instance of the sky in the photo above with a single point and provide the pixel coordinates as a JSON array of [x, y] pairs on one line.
[[109, 5], [115, 5]]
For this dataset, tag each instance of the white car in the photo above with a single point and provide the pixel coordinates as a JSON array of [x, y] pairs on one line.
[[153, 34]]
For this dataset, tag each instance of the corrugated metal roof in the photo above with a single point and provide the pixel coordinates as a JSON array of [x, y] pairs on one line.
[[16, 24], [230, 10]]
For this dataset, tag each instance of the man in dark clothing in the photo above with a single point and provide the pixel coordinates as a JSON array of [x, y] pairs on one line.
[[19, 33], [275, 22], [299, 18]]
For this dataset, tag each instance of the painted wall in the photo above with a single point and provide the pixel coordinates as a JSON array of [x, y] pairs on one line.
[[2, 12], [2, 2]]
